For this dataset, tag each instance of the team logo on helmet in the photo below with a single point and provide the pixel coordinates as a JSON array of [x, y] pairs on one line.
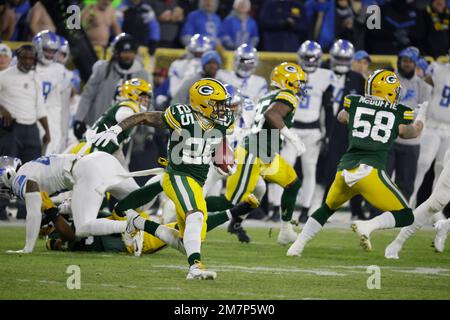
[[205, 90], [391, 79], [135, 82], [291, 69]]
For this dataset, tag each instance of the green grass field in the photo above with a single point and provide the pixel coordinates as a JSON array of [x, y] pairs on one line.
[[332, 267]]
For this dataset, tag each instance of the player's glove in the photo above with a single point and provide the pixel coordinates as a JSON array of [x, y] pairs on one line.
[[102, 139], [79, 128], [422, 110], [294, 139]]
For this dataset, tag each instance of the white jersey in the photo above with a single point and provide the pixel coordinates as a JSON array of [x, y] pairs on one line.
[[253, 87], [310, 106], [52, 173], [180, 70], [338, 91], [439, 106]]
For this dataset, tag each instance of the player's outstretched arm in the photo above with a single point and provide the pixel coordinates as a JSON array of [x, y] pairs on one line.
[[410, 131]]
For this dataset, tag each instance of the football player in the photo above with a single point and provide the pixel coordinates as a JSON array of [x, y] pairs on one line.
[[187, 66], [374, 121], [258, 155], [319, 92], [439, 198], [89, 177], [196, 130], [54, 85], [436, 139]]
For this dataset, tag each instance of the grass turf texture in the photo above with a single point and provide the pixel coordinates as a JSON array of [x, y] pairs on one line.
[[332, 267]]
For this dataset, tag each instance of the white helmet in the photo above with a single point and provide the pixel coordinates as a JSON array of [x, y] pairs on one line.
[[341, 53], [309, 55], [8, 169], [63, 51], [198, 45], [245, 60], [47, 44]]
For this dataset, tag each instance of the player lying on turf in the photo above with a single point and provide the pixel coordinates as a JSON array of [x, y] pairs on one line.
[[196, 130], [374, 121], [155, 237], [88, 177], [439, 198]]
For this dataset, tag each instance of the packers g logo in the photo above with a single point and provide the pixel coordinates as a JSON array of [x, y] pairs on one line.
[[205, 90], [291, 69], [135, 82], [391, 79]]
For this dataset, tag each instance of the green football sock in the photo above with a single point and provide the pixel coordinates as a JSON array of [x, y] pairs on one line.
[[194, 258], [288, 200], [217, 218], [403, 218], [138, 197], [217, 203], [322, 214]]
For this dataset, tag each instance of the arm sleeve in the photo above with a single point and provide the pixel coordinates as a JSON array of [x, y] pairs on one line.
[[33, 202], [89, 93]]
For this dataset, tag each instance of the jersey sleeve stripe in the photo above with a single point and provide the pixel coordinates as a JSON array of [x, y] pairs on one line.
[[171, 121], [347, 102], [130, 105], [288, 98]]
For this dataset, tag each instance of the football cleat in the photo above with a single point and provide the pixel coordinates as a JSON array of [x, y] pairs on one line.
[[236, 228], [364, 235], [198, 272], [295, 249], [392, 250], [441, 235], [287, 235]]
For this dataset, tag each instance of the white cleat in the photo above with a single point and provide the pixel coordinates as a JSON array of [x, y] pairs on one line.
[[295, 250], [197, 272], [287, 235], [441, 235], [138, 243], [131, 216], [392, 250], [363, 233]]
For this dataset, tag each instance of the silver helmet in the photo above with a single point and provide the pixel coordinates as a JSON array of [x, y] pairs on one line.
[[47, 45], [341, 54], [8, 169], [63, 51], [309, 55], [245, 60], [198, 45]]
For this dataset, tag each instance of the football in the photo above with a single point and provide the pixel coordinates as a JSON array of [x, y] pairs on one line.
[[224, 156]]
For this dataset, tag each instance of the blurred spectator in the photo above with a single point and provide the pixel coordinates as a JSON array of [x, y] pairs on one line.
[[5, 56], [101, 89], [98, 21], [170, 16], [225, 7], [7, 21], [399, 28], [321, 21], [361, 63], [21, 9], [40, 20], [203, 21], [188, 6], [344, 21], [283, 25], [238, 27], [211, 64], [189, 64], [161, 88], [140, 22], [21, 107], [434, 29]]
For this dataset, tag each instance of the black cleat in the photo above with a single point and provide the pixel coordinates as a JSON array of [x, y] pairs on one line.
[[236, 228]]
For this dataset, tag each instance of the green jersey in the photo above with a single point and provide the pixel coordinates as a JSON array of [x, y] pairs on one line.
[[108, 119], [265, 140], [192, 141], [372, 128]]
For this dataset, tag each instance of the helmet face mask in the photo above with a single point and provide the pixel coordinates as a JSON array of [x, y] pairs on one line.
[[47, 44], [341, 53], [8, 170], [289, 76], [137, 90], [309, 55], [245, 60], [198, 45]]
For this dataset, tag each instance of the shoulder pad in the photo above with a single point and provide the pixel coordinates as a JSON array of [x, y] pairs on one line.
[[130, 104]]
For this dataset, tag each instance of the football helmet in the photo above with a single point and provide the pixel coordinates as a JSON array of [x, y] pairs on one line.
[[245, 60], [8, 169], [210, 98], [309, 55], [385, 85], [341, 55], [198, 45], [63, 51], [134, 88], [290, 76], [236, 99], [47, 45]]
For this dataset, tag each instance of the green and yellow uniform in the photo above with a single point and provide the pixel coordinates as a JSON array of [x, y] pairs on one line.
[[192, 141], [373, 127], [258, 154]]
